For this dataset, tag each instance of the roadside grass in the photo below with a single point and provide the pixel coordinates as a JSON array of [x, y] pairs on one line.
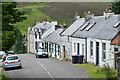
[[35, 16], [93, 71], [2, 76]]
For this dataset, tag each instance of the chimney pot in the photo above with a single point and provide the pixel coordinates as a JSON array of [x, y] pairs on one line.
[[107, 9]]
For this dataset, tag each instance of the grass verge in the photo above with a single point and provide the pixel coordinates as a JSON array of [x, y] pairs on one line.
[[93, 70], [2, 76]]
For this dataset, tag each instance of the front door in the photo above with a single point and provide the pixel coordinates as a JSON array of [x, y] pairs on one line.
[[97, 53], [78, 49]]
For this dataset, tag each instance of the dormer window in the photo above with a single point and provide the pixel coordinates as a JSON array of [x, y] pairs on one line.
[[90, 26], [84, 26], [117, 24]]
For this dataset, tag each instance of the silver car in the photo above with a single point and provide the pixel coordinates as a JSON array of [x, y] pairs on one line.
[[12, 61], [41, 53]]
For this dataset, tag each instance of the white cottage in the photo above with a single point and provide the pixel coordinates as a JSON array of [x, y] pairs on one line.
[[53, 43], [66, 37], [95, 39], [37, 32]]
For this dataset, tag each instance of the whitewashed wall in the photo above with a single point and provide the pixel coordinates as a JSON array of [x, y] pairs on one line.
[[109, 56], [68, 46], [80, 41]]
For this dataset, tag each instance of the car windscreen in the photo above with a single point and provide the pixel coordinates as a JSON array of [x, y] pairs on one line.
[[41, 50], [12, 58]]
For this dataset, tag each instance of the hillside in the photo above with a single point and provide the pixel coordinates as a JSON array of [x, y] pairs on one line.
[[59, 11]]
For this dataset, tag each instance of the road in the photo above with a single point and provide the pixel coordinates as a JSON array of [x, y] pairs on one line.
[[45, 68]]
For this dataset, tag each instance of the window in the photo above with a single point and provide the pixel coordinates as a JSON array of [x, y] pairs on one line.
[[116, 48], [12, 58], [36, 45], [104, 50], [91, 48], [35, 35], [39, 35], [82, 49], [74, 47]]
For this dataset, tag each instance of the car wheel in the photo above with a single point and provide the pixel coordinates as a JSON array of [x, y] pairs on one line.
[[20, 67]]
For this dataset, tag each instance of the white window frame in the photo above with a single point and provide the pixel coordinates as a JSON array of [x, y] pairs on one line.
[[91, 48]]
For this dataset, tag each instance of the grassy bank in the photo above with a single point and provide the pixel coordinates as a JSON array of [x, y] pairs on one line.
[[2, 76], [98, 72], [92, 70], [33, 15]]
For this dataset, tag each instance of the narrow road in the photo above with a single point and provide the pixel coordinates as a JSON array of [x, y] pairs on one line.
[[45, 68]]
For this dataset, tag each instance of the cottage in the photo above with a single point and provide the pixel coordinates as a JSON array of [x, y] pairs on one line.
[[66, 49], [95, 39], [37, 32], [53, 43]]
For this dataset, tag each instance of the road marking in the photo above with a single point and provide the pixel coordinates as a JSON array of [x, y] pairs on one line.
[[46, 70]]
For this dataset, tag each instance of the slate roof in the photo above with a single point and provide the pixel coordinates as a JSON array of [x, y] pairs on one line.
[[54, 37], [73, 27], [44, 26], [103, 29]]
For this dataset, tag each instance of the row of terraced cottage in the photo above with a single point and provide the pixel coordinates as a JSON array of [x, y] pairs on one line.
[[95, 37]]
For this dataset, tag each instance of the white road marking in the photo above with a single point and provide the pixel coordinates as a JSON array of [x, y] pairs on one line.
[[46, 70]]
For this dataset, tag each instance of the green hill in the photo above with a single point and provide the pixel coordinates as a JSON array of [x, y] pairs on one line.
[[60, 11]]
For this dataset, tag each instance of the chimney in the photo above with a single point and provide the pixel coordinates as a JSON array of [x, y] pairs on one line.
[[108, 13], [54, 22], [88, 15], [37, 22], [77, 16]]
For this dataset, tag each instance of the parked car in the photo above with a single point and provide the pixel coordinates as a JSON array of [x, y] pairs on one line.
[[10, 52], [41, 53], [2, 53], [12, 61]]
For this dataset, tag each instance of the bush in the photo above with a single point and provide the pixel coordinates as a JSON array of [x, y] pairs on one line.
[[109, 72]]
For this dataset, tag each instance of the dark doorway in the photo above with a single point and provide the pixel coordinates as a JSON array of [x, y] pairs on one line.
[[78, 49], [97, 53], [64, 51]]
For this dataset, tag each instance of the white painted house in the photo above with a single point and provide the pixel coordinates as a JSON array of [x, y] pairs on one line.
[[97, 39], [37, 32], [66, 49], [53, 43]]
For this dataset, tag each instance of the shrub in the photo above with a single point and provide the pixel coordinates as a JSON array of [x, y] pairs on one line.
[[109, 72]]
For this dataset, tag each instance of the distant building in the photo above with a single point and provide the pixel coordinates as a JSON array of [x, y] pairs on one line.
[[35, 34]]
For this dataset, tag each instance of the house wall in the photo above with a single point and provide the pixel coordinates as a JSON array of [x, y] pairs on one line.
[[109, 55], [66, 41], [81, 48], [30, 42]]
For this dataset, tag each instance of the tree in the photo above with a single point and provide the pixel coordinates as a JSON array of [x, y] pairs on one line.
[[10, 16], [115, 7], [19, 46]]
